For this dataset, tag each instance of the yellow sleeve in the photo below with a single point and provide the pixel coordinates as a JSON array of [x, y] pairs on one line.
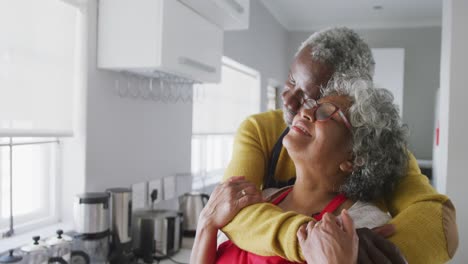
[[424, 219], [271, 232], [249, 158]]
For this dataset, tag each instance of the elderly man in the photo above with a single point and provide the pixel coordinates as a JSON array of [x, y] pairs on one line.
[[424, 220]]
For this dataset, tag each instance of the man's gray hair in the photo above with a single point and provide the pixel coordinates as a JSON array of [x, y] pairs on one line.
[[344, 50], [379, 140]]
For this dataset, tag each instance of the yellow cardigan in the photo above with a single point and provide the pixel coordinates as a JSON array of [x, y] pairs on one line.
[[425, 220]]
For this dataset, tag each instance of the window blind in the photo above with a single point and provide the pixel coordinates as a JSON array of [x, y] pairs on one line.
[[218, 110], [37, 67], [222, 107]]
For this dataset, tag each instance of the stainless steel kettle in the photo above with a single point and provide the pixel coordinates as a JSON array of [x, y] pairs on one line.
[[191, 205], [156, 233], [35, 253], [60, 248]]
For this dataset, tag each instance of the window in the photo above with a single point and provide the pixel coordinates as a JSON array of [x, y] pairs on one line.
[[28, 186], [272, 95], [217, 113], [41, 58]]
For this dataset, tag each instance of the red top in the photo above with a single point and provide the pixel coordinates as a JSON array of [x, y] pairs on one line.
[[228, 252]]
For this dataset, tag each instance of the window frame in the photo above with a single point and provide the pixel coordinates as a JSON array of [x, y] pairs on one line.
[[273, 95], [52, 204], [36, 222], [204, 178]]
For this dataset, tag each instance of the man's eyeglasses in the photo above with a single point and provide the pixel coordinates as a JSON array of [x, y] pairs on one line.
[[324, 111]]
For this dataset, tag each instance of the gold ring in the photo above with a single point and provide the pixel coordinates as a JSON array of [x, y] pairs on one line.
[[243, 193]]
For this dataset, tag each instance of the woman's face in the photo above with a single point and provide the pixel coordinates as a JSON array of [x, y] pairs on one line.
[[320, 145], [305, 79]]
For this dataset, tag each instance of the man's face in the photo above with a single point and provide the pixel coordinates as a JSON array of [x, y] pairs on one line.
[[306, 77]]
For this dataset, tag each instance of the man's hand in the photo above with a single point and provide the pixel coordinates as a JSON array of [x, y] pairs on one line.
[[374, 248], [329, 241]]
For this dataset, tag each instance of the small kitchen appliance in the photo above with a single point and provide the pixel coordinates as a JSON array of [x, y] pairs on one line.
[[191, 205], [91, 215], [157, 234], [35, 253], [121, 212], [60, 248]]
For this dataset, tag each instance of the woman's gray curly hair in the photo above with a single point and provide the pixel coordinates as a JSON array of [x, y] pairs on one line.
[[344, 50], [379, 140]]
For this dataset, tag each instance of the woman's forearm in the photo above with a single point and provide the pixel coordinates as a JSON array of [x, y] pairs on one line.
[[204, 247]]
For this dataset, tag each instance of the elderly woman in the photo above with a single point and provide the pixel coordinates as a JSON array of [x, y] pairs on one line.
[[348, 148], [258, 155]]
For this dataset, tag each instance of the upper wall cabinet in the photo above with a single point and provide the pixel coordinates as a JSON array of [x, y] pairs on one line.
[[228, 14], [145, 36]]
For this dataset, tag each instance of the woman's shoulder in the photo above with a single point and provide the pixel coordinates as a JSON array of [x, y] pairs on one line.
[[271, 194], [367, 215]]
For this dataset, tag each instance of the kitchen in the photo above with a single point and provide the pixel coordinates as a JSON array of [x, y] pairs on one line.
[[120, 140]]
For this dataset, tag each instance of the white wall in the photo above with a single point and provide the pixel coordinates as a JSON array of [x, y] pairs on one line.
[[453, 119], [130, 140], [262, 47], [120, 141], [422, 66], [74, 149]]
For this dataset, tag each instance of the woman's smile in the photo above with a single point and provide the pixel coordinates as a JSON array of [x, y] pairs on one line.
[[301, 129]]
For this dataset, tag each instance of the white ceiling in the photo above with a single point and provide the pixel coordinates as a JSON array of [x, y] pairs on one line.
[[317, 14]]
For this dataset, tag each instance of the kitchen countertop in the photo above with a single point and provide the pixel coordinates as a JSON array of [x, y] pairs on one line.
[[183, 256]]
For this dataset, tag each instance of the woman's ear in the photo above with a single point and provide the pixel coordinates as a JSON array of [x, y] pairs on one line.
[[346, 166]]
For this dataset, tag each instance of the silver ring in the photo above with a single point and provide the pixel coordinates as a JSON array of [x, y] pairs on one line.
[[243, 193]]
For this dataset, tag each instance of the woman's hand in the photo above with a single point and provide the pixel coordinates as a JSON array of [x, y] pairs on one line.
[[329, 241], [227, 199]]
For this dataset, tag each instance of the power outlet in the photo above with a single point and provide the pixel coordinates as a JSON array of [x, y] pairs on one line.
[[155, 186], [170, 187], [139, 195]]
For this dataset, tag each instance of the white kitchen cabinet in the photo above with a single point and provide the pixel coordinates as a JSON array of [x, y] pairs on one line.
[[147, 36], [228, 14]]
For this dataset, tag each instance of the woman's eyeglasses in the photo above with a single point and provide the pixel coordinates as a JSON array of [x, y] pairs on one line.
[[324, 111]]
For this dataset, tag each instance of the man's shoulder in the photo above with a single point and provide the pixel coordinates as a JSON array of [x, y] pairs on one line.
[[268, 116], [268, 124], [270, 119]]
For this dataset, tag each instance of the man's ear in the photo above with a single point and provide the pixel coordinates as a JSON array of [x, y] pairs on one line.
[[346, 166]]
